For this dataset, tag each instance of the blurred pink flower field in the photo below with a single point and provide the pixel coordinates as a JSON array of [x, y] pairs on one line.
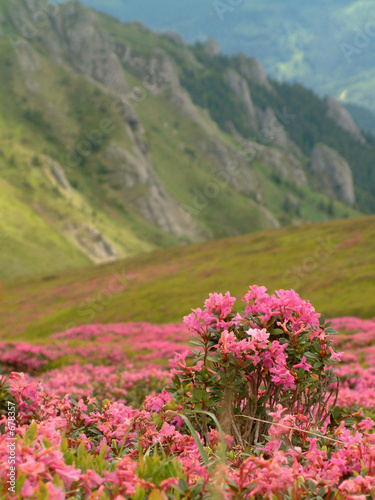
[[95, 417]]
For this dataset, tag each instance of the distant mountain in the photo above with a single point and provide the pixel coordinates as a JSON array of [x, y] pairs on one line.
[[116, 140], [327, 46]]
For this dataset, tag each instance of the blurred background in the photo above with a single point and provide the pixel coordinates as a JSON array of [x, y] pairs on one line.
[[153, 153]]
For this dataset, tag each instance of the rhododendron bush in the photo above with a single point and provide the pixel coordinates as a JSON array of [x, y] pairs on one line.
[[260, 407], [277, 352]]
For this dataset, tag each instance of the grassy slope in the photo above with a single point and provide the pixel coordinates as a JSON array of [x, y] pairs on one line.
[[34, 240], [28, 244], [33, 124], [162, 286]]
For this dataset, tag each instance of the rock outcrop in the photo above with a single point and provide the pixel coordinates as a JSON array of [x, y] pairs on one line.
[[272, 132], [239, 86], [252, 70], [343, 118], [332, 174], [92, 242], [71, 33], [159, 75], [212, 48], [143, 190], [284, 163], [233, 167], [57, 176], [28, 62]]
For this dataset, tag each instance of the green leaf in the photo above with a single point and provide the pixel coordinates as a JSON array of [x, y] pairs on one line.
[[316, 347], [331, 331], [312, 486], [195, 436], [46, 442], [277, 331], [81, 451], [42, 493], [31, 433], [183, 484], [103, 451], [218, 426]]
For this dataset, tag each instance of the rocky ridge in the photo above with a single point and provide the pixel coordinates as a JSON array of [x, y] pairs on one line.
[[332, 174], [128, 179]]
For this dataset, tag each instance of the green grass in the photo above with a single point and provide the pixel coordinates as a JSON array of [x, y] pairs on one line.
[[162, 286], [46, 122]]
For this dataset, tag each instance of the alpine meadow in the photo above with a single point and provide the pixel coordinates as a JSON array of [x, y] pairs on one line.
[[187, 250]]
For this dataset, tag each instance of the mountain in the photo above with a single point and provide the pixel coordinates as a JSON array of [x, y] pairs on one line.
[[116, 141], [331, 264], [326, 46]]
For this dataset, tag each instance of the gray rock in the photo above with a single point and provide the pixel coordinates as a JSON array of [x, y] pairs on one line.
[[71, 33], [159, 75], [58, 175], [145, 192], [212, 48], [252, 70], [343, 118], [92, 242], [284, 163], [332, 174], [292, 200], [241, 89], [271, 130], [28, 62], [233, 166], [88, 46]]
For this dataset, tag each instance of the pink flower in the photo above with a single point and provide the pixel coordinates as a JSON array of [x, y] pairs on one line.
[[366, 424], [282, 376], [156, 403], [31, 468], [303, 364], [91, 479], [335, 356], [219, 304], [260, 337], [227, 342], [277, 414], [27, 489], [54, 493]]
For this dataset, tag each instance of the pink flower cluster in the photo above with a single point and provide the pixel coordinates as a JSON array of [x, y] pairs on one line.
[[109, 429], [285, 303]]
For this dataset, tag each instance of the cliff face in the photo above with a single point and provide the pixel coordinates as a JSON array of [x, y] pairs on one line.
[[239, 86], [254, 71], [72, 34], [332, 174], [342, 117], [152, 164]]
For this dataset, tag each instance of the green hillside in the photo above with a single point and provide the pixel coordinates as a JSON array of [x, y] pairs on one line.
[[330, 264], [189, 148]]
